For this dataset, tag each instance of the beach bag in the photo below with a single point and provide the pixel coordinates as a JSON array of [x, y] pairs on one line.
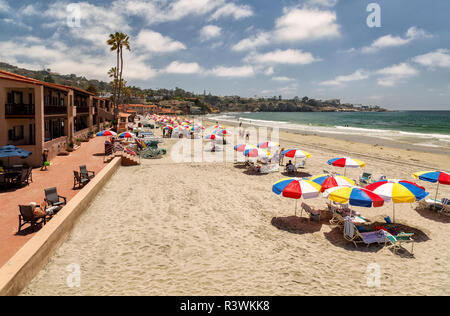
[[46, 163]]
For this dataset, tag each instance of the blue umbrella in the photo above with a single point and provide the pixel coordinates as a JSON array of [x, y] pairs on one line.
[[13, 151]]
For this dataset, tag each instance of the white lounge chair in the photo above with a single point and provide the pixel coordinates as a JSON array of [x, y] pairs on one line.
[[352, 234]]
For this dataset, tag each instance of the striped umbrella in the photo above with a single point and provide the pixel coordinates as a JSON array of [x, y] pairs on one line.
[[106, 133], [295, 153], [268, 145], [126, 135], [223, 132], [355, 196], [398, 191], [212, 137], [167, 127], [256, 153], [296, 188], [346, 163], [329, 181], [243, 147], [438, 177]]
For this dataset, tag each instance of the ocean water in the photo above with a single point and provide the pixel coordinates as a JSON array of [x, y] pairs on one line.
[[422, 128]]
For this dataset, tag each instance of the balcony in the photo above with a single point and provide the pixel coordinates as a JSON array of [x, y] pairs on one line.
[[52, 109], [19, 110]]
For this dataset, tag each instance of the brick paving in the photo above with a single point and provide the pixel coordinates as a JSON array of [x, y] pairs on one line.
[[59, 175]]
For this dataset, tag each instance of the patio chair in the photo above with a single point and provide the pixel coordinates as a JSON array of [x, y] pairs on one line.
[[27, 217], [85, 173], [365, 179], [312, 213], [24, 177], [395, 242], [301, 164], [352, 234], [79, 181], [53, 199], [3, 182]]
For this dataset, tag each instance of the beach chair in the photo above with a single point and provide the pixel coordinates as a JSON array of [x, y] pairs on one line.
[[365, 179], [337, 219], [352, 234], [312, 213], [27, 217], [85, 173], [53, 199], [301, 164], [395, 242], [290, 169], [269, 168], [79, 181]]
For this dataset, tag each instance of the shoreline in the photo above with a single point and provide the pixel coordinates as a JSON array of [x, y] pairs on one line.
[[374, 148]]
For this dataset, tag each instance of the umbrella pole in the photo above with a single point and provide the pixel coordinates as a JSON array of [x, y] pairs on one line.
[[296, 207], [393, 209], [435, 198]]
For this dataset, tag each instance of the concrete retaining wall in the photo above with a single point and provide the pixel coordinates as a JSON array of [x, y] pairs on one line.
[[35, 254]]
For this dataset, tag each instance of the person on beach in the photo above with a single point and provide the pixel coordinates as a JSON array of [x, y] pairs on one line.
[[247, 136], [281, 157], [45, 162]]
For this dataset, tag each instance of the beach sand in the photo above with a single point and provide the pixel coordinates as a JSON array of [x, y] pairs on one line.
[[164, 228]]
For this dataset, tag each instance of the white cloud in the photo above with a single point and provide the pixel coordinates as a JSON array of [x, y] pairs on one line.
[[269, 71], [340, 80], [210, 31], [4, 6], [157, 43], [437, 59], [392, 75], [282, 79], [177, 67], [289, 56], [253, 42], [413, 33], [295, 25], [243, 71], [231, 9], [324, 3]]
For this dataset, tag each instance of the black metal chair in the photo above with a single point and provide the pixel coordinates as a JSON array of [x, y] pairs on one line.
[[53, 199], [27, 217], [78, 180], [85, 173], [3, 182]]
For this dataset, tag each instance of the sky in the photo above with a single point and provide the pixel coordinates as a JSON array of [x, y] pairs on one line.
[[395, 54]]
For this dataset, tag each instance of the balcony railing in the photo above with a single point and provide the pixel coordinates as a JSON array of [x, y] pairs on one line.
[[83, 109], [19, 109], [52, 109]]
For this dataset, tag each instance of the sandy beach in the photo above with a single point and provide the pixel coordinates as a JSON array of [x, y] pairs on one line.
[[165, 228]]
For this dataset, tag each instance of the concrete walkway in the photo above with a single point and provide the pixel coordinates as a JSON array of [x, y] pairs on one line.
[[59, 175]]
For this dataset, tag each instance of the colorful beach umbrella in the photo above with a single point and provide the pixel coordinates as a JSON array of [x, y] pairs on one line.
[[296, 188], [438, 177], [346, 163], [126, 135], [398, 191], [107, 133], [243, 147], [327, 181], [355, 196], [268, 145], [167, 127], [212, 136], [295, 153], [256, 153], [223, 132]]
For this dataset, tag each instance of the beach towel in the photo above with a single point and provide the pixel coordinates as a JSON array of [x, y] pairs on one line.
[[374, 237]]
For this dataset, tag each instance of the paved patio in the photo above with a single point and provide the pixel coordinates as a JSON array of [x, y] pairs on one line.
[[59, 175]]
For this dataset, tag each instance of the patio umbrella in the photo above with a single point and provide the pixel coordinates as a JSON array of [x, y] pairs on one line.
[[9, 151], [295, 153], [212, 136], [223, 132], [346, 163], [438, 177], [355, 196], [327, 181], [296, 188], [268, 145], [106, 133], [243, 147], [256, 153], [126, 135], [398, 191]]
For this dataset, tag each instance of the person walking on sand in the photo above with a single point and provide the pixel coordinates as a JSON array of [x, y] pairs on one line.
[[45, 162], [281, 157]]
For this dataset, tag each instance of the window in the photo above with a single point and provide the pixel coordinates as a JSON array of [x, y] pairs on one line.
[[16, 133]]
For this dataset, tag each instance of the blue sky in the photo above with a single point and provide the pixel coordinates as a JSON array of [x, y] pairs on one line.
[[317, 48]]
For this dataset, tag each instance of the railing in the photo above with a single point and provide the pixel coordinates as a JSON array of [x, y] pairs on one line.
[[52, 109], [19, 109]]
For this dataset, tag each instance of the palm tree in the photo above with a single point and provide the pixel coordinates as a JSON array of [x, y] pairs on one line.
[[117, 42]]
